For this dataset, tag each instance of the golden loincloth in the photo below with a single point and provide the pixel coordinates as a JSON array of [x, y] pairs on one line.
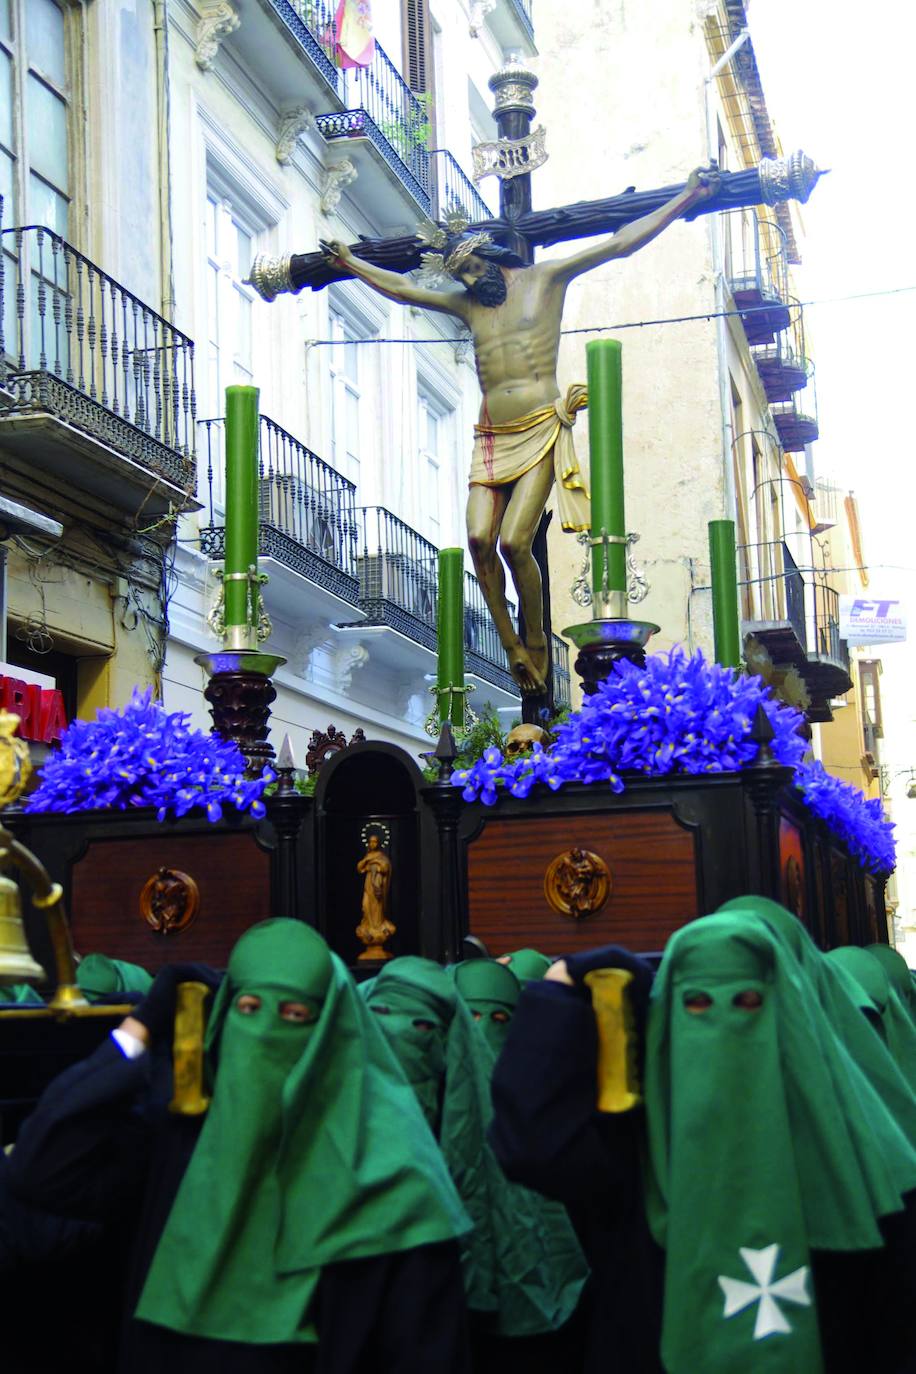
[[502, 453]]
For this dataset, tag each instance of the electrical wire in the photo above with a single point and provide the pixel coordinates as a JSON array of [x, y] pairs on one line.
[[646, 324]]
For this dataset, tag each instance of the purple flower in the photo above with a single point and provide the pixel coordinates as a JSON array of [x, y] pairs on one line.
[[146, 756], [858, 822]]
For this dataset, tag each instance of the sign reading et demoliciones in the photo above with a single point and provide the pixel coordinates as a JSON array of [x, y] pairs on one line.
[[872, 620]]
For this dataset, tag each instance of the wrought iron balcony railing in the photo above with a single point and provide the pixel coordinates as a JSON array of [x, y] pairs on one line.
[[383, 108], [757, 271], [76, 344], [453, 191], [312, 23], [796, 417], [307, 510], [794, 612], [783, 363], [398, 586], [562, 694]]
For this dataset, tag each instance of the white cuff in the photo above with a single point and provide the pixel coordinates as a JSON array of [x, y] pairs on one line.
[[128, 1044]]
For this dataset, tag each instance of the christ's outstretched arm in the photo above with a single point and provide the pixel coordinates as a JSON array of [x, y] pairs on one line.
[[701, 185], [395, 286]]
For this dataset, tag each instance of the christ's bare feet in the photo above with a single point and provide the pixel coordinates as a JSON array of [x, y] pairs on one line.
[[537, 652], [523, 669]]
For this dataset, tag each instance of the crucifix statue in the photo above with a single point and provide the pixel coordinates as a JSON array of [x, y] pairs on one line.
[[513, 309]]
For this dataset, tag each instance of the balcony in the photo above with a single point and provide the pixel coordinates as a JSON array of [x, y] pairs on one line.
[[757, 272], [796, 418], [783, 364], [385, 130], [453, 191], [512, 26], [794, 613], [398, 576], [288, 46], [98, 389], [307, 530]]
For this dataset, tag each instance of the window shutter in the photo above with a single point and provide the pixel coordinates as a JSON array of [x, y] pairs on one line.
[[417, 44]]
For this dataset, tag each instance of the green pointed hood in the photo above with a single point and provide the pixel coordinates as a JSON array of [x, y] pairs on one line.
[[522, 1263], [490, 992], [843, 1000], [314, 1151], [765, 1142]]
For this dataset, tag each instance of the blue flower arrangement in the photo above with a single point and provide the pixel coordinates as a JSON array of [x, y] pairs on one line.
[[861, 824], [144, 755], [681, 714]]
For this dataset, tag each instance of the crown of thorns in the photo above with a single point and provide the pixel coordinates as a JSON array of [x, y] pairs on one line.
[[439, 264]]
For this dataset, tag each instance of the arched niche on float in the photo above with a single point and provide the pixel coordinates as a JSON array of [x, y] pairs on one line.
[[371, 787]]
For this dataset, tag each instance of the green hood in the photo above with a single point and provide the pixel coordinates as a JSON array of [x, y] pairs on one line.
[[490, 992], [99, 976], [528, 965], [313, 1152], [522, 1263], [843, 1000], [765, 1142]]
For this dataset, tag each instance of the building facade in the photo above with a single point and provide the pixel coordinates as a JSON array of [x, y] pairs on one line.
[[152, 148]]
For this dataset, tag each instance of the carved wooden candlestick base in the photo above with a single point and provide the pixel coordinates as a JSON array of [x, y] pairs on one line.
[[240, 693]]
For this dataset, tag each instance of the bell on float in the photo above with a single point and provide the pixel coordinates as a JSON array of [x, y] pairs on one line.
[[16, 962]]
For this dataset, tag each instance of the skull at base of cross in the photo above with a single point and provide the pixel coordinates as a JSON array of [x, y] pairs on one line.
[[520, 739]]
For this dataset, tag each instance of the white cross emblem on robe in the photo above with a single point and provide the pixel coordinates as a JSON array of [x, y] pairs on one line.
[[738, 1294]]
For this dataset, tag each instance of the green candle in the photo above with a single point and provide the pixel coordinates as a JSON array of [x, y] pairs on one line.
[[451, 634], [241, 499], [605, 431], [724, 592]]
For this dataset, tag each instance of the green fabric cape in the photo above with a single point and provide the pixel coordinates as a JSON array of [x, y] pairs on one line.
[[487, 987], [843, 1001], [528, 965], [522, 1262], [724, 1193], [99, 976], [764, 1142], [313, 1151]]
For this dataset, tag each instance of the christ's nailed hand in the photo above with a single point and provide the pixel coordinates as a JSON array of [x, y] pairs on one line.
[[705, 181], [335, 251]]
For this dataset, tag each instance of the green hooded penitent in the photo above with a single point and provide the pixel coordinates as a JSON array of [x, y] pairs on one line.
[[528, 965], [844, 1001], [522, 1263], [765, 1143], [897, 1028], [314, 1151], [99, 976], [490, 992], [899, 973]]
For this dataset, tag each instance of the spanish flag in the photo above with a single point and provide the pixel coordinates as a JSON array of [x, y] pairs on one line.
[[353, 32]]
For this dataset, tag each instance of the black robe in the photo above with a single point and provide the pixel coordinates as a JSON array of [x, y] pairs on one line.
[[548, 1135], [101, 1147]]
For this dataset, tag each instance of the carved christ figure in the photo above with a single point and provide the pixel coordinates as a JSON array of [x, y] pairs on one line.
[[523, 441]]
